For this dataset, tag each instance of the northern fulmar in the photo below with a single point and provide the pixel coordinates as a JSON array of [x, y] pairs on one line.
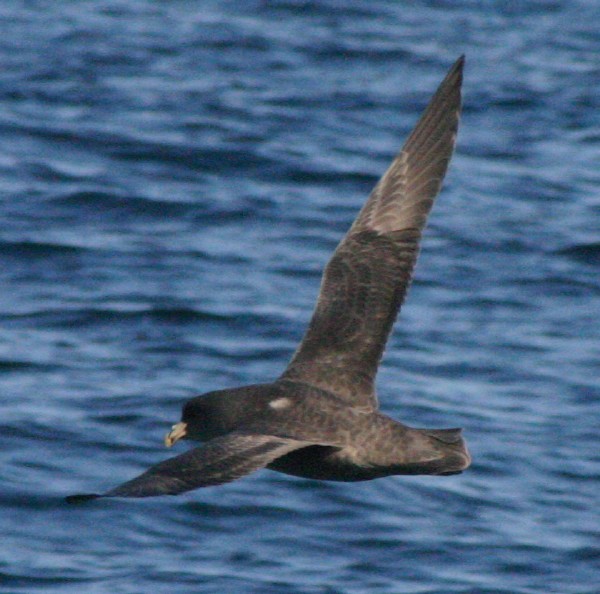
[[320, 418]]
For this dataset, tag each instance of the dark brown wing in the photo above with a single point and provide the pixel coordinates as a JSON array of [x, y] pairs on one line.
[[221, 460], [366, 280]]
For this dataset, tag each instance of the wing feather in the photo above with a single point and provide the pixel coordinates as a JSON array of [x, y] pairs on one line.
[[366, 280], [221, 460]]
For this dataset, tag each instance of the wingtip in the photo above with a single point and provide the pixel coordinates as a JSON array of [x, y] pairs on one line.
[[81, 498], [457, 69]]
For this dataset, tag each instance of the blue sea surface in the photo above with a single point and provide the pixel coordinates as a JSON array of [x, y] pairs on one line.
[[173, 178]]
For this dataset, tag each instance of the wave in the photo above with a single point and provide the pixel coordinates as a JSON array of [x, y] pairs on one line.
[[586, 253], [98, 202], [37, 249]]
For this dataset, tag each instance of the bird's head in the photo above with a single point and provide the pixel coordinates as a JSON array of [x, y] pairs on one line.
[[208, 416], [195, 422]]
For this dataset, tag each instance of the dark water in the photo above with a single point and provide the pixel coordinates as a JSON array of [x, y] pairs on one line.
[[173, 177]]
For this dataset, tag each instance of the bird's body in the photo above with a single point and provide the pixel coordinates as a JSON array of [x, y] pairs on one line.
[[358, 443], [320, 419]]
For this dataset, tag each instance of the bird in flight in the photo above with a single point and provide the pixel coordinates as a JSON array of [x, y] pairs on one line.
[[320, 419]]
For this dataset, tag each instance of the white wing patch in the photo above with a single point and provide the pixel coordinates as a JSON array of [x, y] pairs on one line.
[[280, 403]]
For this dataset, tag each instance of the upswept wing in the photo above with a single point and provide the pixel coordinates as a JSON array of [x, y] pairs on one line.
[[367, 278]]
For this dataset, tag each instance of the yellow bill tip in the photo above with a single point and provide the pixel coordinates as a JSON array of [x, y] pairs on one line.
[[177, 432]]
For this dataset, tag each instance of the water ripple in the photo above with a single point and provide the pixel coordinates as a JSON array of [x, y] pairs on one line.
[[173, 181]]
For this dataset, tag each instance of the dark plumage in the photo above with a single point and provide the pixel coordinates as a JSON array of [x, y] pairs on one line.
[[320, 419]]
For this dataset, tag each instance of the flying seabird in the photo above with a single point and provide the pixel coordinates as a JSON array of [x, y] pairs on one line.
[[320, 418]]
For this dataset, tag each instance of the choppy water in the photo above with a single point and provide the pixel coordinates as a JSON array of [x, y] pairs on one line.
[[173, 177]]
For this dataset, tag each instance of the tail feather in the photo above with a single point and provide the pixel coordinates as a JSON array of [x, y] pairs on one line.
[[449, 436], [456, 457]]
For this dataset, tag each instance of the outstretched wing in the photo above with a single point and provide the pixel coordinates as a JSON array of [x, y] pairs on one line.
[[367, 278], [219, 461]]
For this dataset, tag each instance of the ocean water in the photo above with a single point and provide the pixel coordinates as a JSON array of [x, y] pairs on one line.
[[173, 178]]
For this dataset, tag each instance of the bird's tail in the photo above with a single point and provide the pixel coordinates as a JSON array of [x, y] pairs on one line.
[[456, 456]]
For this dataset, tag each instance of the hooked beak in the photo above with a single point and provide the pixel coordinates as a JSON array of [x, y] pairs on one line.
[[178, 431]]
